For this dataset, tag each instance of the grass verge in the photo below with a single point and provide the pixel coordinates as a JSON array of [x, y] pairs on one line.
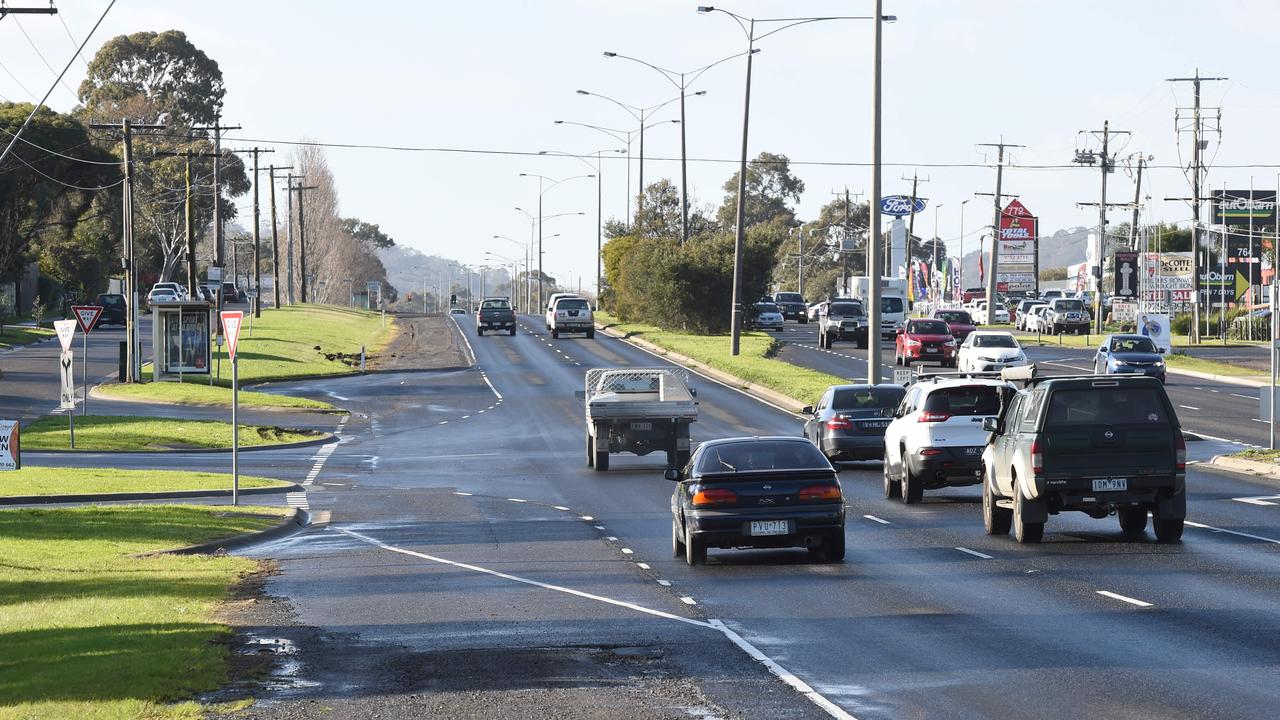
[[284, 341], [13, 335], [1178, 361], [81, 481], [1258, 454], [201, 393], [753, 364], [91, 632], [126, 432]]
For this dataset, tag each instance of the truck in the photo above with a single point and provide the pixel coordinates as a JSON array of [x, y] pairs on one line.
[[893, 301], [495, 313], [638, 410], [842, 319]]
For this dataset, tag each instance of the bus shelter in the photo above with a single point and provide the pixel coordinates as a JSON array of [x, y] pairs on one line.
[[180, 334]]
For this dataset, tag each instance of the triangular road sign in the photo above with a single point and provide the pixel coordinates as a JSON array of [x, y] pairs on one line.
[[66, 330], [231, 326], [87, 315]]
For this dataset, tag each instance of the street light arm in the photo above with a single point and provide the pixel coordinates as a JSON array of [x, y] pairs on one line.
[[698, 73], [633, 111], [668, 74], [622, 136], [792, 22], [736, 18]]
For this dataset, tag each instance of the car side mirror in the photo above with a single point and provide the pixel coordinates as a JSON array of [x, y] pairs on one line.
[[889, 412], [693, 392], [806, 410], [991, 425], [898, 331], [1160, 350], [673, 474], [1103, 350]]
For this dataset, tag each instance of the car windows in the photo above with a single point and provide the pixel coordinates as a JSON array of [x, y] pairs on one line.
[[864, 398], [758, 455], [964, 400], [928, 327], [1031, 410], [891, 305], [995, 341], [495, 305], [1014, 413], [1068, 306], [1142, 345], [844, 309], [1106, 406], [573, 304], [825, 402], [910, 402]]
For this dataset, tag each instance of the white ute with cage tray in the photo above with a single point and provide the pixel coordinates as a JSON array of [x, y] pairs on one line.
[[638, 410]]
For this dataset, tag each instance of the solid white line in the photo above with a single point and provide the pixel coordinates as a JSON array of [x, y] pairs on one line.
[[1246, 397], [783, 674], [455, 492], [1122, 598], [491, 387], [516, 500], [873, 518], [1188, 407], [526, 581], [975, 553], [1211, 528], [1258, 500], [465, 341]]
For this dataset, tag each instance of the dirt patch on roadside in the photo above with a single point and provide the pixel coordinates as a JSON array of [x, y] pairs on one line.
[[422, 342]]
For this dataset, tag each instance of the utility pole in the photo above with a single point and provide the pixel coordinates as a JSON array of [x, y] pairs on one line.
[[848, 237], [257, 240], [218, 234], [911, 221], [994, 258], [1137, 203], [873, 205], [275, 235], [132, 359], [1106, 163], [302, 236], [1197, 177], [289, 230]]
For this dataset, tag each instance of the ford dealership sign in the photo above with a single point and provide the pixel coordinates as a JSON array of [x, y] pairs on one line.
[[900, 205]]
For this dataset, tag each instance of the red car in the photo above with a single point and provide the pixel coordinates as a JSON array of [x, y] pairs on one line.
[[959, 321], [925, 339]]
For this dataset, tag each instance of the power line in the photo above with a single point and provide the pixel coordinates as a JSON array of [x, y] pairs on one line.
[[46, 62]]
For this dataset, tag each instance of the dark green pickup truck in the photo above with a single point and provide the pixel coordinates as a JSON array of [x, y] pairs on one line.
[[1097, 445], [496, 314]]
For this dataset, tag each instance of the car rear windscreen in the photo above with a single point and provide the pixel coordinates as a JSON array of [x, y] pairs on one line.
[[495, 305], [573, 304], [964, 400], [867, 397], [757, 455], [1107, 405], [766, 308]]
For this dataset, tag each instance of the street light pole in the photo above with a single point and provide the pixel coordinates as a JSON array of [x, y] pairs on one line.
[[641, 115], [873, 219], [543, 191]]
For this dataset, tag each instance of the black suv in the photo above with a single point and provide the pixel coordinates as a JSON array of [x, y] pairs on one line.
[[1097, 445], [114, 309], [792, 306]]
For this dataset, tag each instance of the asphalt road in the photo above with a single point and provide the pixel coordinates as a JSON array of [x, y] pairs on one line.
[[1207, 408], [445, 479]]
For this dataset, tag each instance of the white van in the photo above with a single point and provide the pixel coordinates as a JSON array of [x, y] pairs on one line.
[[549, 311]]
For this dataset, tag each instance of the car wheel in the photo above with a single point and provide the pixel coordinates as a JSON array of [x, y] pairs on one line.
[[995, 519], [480, 331], [1027, 533], [513, 332], [892, 488], [833, 547], [1133, 520], [912, 490], [862, 344], [677, 542], [1167, 530], [695, 553], [591, 451], [601, 456], [591, 334]]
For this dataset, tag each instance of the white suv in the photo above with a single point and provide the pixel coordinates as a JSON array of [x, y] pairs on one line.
[[571, 315], [936, 438]]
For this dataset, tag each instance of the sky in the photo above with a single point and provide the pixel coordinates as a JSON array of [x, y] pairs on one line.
[[489, 80]]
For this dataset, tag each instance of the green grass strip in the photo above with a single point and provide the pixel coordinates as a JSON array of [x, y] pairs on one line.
[[81, 481], [90, 632], [753, 364], [126, 432], [199, 392], [13, 336]]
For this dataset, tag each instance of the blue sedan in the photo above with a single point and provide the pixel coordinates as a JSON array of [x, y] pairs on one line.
[[1129, 355]]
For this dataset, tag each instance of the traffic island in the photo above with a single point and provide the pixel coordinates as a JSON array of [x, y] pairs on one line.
[[1259, 463], [201, 394], [93, 631], [127, 433], [57, 484]]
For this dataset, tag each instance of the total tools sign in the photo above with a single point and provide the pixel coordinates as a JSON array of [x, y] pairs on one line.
[[1019, 230]]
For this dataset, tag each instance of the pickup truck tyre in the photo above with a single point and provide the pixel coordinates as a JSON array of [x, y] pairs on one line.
[[513, 331], [1168, 530], [1133, 520], [862, 344], [591, 451], [995, 519], [591, 334], [677, 542], [695, 553], [892, 488], [1027, 533], [602, 460], [555, 333], [912, 489], [480, 331]]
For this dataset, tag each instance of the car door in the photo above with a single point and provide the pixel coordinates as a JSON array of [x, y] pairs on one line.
[[1100, 359], [964, 353], [897, 430], [813, 423], [1002, 444]]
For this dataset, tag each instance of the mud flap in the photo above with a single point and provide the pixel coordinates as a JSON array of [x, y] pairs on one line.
[[1033, 511], [1171, 507]]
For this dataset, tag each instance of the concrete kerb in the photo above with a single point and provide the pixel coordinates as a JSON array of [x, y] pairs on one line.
[[1253, 468], [130, 496], [319, 440], [295, 521], [1225, 379], [764, 393]]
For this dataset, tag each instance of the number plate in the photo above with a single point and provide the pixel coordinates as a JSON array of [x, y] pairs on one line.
[[931, 348], [1110, 484], [874, 424], [641, 426], [973, 451], [769, 527]]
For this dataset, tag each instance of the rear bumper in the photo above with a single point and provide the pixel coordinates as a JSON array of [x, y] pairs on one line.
[[574, 325], [854, 447], [954, 467], [1166, 493], [807, 526]]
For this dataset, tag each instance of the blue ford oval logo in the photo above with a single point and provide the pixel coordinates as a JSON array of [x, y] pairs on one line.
[[900, 205]]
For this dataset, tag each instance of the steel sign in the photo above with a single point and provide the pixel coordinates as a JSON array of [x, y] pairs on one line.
[[901, 205], [67, 397], [87, 315], [66, 330], [1126, 274], [10, 445], [231, 321]]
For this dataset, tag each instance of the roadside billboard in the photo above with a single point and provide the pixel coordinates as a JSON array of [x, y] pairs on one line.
[[1019, 231]]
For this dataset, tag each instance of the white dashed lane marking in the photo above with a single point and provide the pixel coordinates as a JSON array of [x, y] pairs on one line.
[[1123, 598], [975, 553], [873, 518]]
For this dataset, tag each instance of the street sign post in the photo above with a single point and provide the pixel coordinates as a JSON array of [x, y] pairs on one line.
[[87, 316], [902, 376], [10, 445], [66, 330], [231, 320]]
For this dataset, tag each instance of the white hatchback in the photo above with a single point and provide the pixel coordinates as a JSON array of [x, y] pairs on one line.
[[989, 351]]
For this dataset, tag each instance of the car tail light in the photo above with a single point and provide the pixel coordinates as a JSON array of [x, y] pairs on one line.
[[714, 496], [1037, 457], [839, 422], [821, 492], [927, 416], [930, 452], [1180, 453]]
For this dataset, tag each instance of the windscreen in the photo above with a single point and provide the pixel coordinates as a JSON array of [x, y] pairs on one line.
[[928, 327], [495, 305], [955, 316], [573, 304], [891, 305], [757, 455], [964, 400], [1134, 344], [844, 309], [1109, 405], [788, 297], [111, 300], [1068, 305], [995, 341], [866, 398]]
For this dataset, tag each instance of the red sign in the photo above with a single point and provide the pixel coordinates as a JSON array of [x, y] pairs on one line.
[[87, 316], [231, 320], [1017, 223]]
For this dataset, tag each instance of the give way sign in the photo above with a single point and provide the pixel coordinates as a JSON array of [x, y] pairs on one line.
[[87, 315], [231, 320]]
